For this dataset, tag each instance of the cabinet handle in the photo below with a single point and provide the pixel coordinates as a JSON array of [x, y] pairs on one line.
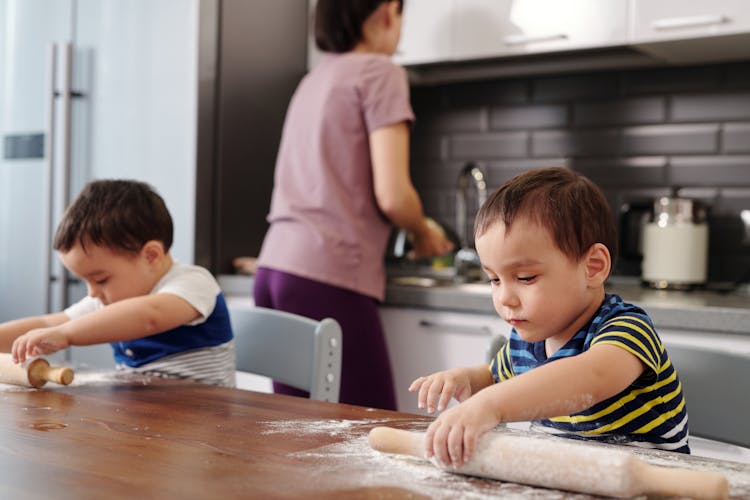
[[456, 327], [674, 23], [514, 40]]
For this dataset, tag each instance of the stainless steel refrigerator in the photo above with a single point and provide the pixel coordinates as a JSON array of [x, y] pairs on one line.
[[89, 89]]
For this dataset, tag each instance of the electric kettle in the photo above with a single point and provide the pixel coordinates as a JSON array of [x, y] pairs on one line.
[[675, 245]]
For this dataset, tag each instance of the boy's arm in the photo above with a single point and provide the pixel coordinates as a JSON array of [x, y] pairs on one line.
[[436, 390], [130, 319], [559, 388], [124, 320], [11, 330], [566, 385]]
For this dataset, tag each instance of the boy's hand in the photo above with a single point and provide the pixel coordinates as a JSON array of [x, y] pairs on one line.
[[438, 389], [37, 342], [452, 437]]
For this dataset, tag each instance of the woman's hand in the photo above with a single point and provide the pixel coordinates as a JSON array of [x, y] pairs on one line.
[[37, 342], [452, 437], [431, 242]]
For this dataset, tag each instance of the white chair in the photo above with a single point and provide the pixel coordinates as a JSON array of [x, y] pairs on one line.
[[292, 349]]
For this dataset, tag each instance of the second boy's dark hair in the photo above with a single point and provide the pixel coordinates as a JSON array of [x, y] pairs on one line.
[[121, 215], [338, 23], [568, 204]]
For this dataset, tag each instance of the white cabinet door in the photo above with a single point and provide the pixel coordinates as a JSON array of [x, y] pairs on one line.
[[425, 32], [653, 20], [491, 28], [423, 341]]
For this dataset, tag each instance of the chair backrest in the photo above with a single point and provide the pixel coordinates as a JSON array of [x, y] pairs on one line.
[[717, 398], [496, 342], [292, 349]]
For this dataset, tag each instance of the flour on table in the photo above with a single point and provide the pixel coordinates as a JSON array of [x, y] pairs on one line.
[[109, 378], [355, 465], [381, 470]]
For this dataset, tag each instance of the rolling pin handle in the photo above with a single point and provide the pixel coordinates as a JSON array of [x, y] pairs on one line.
[[390, 440], [59, 375], [40, 372], [668, 481]]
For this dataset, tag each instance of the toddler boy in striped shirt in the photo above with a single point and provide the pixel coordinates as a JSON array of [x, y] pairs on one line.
[[579, 362]]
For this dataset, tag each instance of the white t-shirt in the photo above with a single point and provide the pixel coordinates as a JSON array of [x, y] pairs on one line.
[[192, 283], [175, 355]]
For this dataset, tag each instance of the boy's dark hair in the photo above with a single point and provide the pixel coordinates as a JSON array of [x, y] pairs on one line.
[[569, 205], [121, 215], [338, 23]]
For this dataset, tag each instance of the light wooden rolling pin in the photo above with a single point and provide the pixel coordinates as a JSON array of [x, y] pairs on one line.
[[571, 466], [33, 372]]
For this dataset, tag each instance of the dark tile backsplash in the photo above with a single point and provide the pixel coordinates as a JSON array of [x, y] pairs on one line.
[[638, 134]]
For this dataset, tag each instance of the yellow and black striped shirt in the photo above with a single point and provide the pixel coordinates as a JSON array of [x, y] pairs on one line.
[[650, 413]]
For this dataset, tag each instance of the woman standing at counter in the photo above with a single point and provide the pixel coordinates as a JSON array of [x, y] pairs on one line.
[[341, 180]]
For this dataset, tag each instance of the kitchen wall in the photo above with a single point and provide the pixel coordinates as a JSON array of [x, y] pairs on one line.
[[636, 133]]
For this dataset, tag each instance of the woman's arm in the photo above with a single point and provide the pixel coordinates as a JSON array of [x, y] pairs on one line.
[[395, 193]]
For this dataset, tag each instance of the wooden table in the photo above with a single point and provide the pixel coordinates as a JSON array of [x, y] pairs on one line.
[[113, 437]]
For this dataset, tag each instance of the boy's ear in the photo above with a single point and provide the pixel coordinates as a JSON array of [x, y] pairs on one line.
[[152, 250], [598, 264]]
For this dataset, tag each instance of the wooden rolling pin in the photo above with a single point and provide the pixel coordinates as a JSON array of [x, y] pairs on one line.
[[572, 466], [33, 372]]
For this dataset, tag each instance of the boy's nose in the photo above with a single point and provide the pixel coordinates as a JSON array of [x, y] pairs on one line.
[[506, 297], [94, 291]]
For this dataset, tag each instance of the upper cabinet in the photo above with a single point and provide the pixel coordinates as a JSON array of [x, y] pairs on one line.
[[425, 32], [492, 28], [653, 20], [696, 31], [456, 30], [441, 31], [633, 32]]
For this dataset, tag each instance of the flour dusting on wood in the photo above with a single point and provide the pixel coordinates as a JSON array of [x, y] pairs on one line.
[[382, 470], [424, 480]]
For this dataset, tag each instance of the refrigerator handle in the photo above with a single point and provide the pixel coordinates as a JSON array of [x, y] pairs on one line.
[[49, 154], [66, 93], [58, 169]]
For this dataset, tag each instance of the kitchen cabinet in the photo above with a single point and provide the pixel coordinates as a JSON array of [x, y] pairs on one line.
[[673, 19], [713, 369], [423, 341], [698, 31], [457, 30], [426, 32], [491, 28]]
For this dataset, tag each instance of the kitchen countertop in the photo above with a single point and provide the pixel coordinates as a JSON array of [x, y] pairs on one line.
[[695, 310]]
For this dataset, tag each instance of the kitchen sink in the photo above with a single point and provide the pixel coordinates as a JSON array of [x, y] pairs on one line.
[[478, 287]]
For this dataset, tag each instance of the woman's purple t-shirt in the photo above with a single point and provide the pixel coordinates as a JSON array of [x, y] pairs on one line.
[[325, 222]]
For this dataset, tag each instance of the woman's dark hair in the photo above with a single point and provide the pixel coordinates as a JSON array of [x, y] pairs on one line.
[[338, 23], [569, 205], [121, 215]]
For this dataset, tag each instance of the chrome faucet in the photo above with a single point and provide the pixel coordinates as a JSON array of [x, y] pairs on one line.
[[466, 261]]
